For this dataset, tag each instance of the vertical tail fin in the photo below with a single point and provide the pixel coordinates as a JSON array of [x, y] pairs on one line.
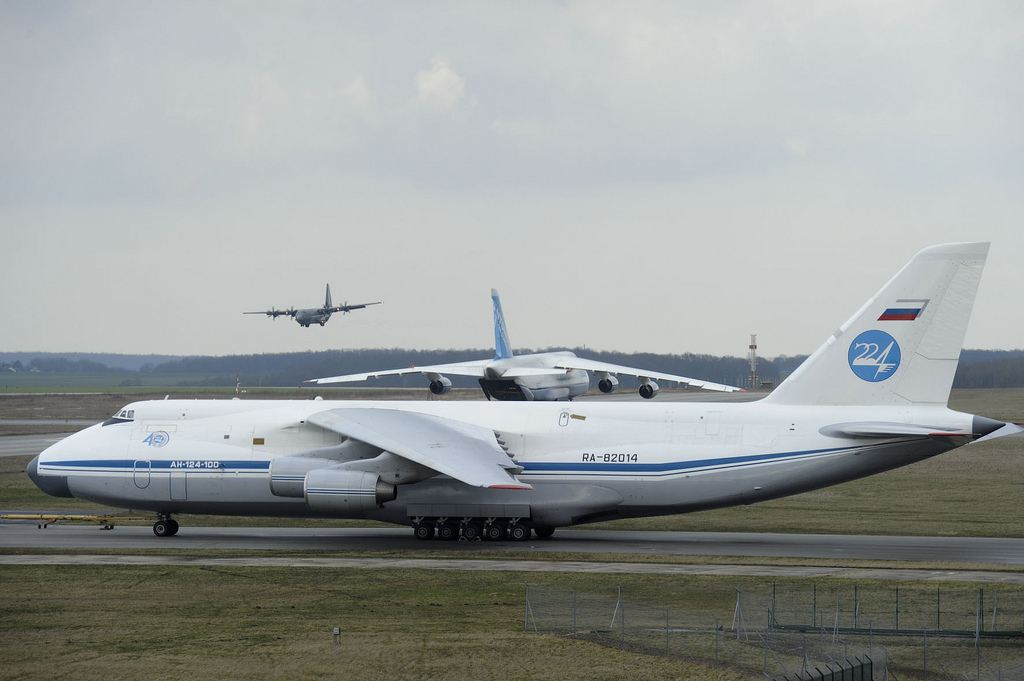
[[903, 345], [327, 301], [502, 347]]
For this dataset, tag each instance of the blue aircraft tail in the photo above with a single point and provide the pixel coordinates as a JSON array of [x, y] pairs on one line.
[[502, 348]]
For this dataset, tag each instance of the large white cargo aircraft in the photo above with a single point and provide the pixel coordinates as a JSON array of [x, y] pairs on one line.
[[871, 398], [543, 376]]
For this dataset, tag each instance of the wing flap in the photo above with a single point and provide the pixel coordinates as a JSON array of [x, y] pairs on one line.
[[464, 451]]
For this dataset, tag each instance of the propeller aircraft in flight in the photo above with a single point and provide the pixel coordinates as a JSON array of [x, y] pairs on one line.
[[314, 315]]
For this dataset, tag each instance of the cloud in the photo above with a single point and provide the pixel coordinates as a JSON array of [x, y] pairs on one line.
[[439, 88]]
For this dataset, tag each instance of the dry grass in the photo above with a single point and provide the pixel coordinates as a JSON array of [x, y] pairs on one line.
[[260, 623]]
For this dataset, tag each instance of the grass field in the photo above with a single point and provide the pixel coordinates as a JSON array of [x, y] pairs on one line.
[[261, 623]]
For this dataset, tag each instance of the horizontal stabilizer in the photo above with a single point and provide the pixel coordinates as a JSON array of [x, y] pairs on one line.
[[464, 451], [1007, 430]]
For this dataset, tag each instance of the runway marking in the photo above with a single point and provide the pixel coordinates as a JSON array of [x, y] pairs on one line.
[[527, 566]]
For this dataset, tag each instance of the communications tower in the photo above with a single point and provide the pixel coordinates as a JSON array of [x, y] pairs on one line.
[[752, 356]]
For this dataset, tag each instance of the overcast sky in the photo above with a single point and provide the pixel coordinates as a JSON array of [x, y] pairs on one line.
[[635, 176]]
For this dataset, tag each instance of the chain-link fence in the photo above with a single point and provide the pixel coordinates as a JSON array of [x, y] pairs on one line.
[[895, 609], [792, 635]]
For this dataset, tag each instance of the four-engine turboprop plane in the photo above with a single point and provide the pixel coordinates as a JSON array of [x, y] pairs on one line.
[[540, 376], [873, 397], [314, 315]]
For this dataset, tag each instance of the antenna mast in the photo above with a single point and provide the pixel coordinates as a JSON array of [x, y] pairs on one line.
[[752, 356]]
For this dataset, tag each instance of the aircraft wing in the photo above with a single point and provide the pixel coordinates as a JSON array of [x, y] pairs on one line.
[[604, 367], [473, 368], [274, 313], [461, 450], [348, 308]]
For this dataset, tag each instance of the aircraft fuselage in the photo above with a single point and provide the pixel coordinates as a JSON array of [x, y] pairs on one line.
[[584, 461]]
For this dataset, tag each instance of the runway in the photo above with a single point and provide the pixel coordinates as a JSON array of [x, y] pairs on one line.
[[28, 445], [1006, 553]]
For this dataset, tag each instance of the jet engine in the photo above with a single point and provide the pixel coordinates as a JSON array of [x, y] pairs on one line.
[[440, 385], [648, 389], [339, 491], [288, 473], [608, 383]]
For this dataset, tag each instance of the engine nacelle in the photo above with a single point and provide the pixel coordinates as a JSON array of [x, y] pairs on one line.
[[288, 474], [344, 492], [608, 384], [440, 385], [648, 389]]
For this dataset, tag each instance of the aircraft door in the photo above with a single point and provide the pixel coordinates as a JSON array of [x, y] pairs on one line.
[[142, 473], [179, 486]]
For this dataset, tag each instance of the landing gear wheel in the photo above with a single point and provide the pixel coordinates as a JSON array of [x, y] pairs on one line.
[[543, 531], [519, 532], [174, 526], [448, 531], [472, 531], [162, 528], [423, 531], [494, 532]]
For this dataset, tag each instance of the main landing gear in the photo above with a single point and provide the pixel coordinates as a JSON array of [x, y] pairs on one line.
[[165, 526], [476, 529]]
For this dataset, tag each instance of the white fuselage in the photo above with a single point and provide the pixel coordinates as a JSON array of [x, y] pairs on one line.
[[564, 384], [585, 461]]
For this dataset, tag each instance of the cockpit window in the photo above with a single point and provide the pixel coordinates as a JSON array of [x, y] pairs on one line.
[[123, 416]]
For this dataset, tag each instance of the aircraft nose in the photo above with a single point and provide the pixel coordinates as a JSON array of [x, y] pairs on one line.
[[54, 485]]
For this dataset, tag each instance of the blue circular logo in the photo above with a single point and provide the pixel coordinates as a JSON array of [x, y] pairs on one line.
[[158, 438], [874, 356]]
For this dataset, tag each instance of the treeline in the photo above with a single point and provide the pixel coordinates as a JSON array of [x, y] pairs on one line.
[[978, 368]]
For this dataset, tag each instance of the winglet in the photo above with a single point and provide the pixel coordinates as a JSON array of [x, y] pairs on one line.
[[502, 346]]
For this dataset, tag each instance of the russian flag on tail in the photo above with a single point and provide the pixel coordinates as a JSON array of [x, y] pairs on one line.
[[904, 311]]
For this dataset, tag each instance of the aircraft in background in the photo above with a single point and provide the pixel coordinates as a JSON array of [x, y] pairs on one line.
[[314, 315], [872, 398], [542, 376]]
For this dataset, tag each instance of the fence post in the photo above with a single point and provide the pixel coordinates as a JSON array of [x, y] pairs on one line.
[[896, 625], [526, 612], [718, 628], [835, 624], [574, 611], [814, 605], [622, 622], [666, 631], [618, 604], [925, 652], [995, 609], [856, 605]]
